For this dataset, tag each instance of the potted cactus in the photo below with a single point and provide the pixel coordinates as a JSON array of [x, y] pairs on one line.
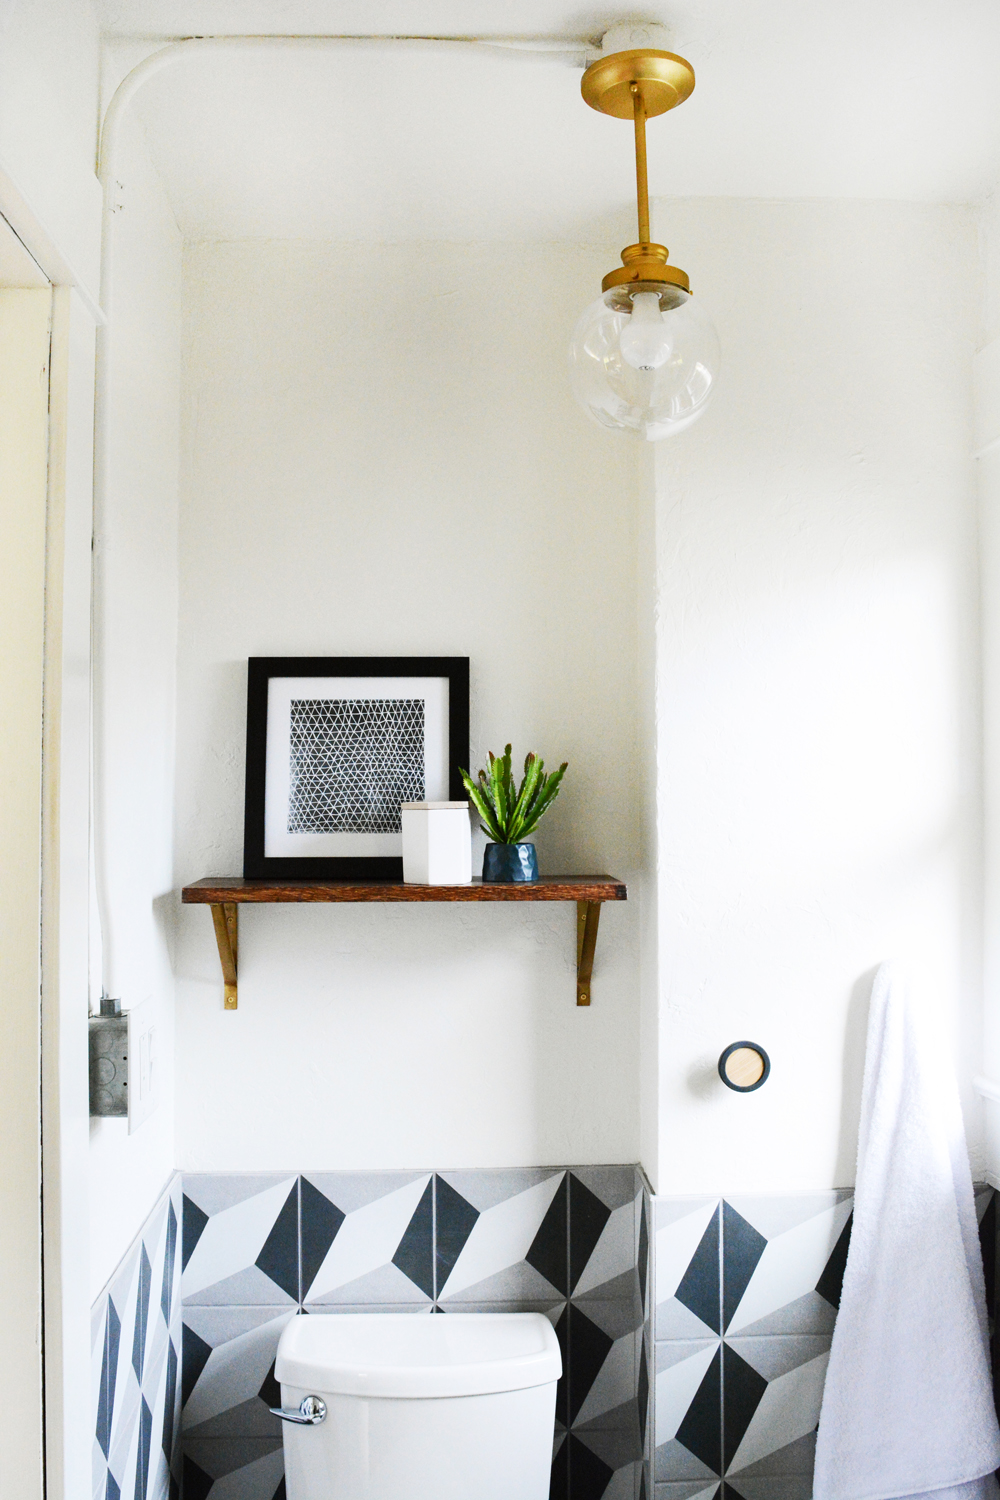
[[509, 813]]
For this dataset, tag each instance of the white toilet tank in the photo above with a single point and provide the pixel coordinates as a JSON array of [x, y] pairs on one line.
[[454, 1406]]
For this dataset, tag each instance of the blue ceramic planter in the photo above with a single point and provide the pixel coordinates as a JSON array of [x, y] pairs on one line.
[[510, 862]]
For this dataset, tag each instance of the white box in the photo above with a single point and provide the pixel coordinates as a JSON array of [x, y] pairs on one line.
[[437, 843]]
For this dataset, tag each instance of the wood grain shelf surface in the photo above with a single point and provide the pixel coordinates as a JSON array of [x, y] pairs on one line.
[[228, 889]]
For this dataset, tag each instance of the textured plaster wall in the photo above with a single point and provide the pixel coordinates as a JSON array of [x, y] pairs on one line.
[[136, 636], [381, 456], [817, 676], [988, 227], [810, 566], [49, 66]]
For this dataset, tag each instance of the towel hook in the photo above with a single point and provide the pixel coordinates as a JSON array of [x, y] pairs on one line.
[[744, 1066]]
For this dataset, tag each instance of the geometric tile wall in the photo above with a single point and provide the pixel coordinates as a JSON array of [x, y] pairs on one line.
[[258, 1250], [135, 1363], [988, 1209], [694, 1331], [745, 1296]]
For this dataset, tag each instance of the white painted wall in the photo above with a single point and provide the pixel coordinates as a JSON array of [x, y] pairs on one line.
[[817, 675], [988, 228], [815, 687], [382, 456], [49, 65], [814, 805], [986, 434], [136, 638]]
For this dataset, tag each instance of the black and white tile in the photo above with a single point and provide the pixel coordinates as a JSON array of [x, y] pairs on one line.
[[606, 1427], [241, 1240], [695, 1331], [688, 1489], [784, 1262], [988, 1213], [686, 1267], [761, 1277], [502, 1237], [367, 1237], [228, 1371], [135, 1352], [688, 1410], [231, 1441], [260, 1249], [234, 1469], [645, 1383], [773, 1394]]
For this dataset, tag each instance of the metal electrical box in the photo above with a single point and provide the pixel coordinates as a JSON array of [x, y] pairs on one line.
[[124, 1076], [109, 1061]]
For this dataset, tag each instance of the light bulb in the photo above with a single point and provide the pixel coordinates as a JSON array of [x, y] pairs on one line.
[[645, 361], [645, 340]]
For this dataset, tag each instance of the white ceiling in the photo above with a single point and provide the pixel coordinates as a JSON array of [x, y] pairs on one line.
[[389, 140]]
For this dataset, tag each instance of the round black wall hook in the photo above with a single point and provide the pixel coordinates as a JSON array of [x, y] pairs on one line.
[[744, 1066]]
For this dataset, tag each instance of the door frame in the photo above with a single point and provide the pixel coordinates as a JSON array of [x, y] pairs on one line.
[[60, 1349]]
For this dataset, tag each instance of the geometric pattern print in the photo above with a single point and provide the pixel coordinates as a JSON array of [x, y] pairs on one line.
[[746, 1292], [135, 1363], [260, 1250], [353, 762]]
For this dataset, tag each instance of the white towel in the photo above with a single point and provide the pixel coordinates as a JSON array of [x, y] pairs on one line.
[[908, 1406]]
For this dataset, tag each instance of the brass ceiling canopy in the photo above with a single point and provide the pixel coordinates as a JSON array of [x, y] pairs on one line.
[[637, 85], [663, 79]]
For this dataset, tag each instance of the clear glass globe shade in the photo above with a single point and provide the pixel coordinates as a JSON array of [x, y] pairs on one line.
[[636, 367]]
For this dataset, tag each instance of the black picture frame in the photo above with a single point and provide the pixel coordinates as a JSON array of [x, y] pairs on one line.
[[261, 670]]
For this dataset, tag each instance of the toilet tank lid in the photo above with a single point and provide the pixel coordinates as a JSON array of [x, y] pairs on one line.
[[406, 1354]]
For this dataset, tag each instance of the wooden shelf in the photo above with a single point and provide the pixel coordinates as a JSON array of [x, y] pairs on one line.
[[225, 893], [215, 888]]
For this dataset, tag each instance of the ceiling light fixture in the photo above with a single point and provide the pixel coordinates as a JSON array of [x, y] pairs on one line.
[[644, 357]]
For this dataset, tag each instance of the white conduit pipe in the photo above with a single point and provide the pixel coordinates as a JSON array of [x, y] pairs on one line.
[[576, 52]]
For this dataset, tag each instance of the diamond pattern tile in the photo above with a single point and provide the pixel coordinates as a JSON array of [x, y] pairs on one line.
[[694, 1332], [687, 1268], [136, 1342], [369, 1236], [764, 1274], [241, 1240]]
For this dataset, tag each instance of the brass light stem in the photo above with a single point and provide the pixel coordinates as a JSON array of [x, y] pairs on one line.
[[639, 84], [641, 181]]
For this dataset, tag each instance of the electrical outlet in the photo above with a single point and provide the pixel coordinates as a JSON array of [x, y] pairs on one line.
[[143, 1073]]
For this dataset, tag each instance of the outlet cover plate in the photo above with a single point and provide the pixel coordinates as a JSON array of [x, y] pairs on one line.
[[143, 1064]]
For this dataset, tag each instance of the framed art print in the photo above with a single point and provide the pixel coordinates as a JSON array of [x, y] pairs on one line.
[[334, 745]]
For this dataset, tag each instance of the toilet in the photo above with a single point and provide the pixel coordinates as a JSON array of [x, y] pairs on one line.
[[399, 1406]]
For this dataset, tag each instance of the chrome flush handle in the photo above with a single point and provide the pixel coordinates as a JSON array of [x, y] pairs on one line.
[[310, 1410]]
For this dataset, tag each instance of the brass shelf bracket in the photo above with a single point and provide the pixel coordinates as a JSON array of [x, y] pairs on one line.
[[227, 937], [588, 914], [225, 893]]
